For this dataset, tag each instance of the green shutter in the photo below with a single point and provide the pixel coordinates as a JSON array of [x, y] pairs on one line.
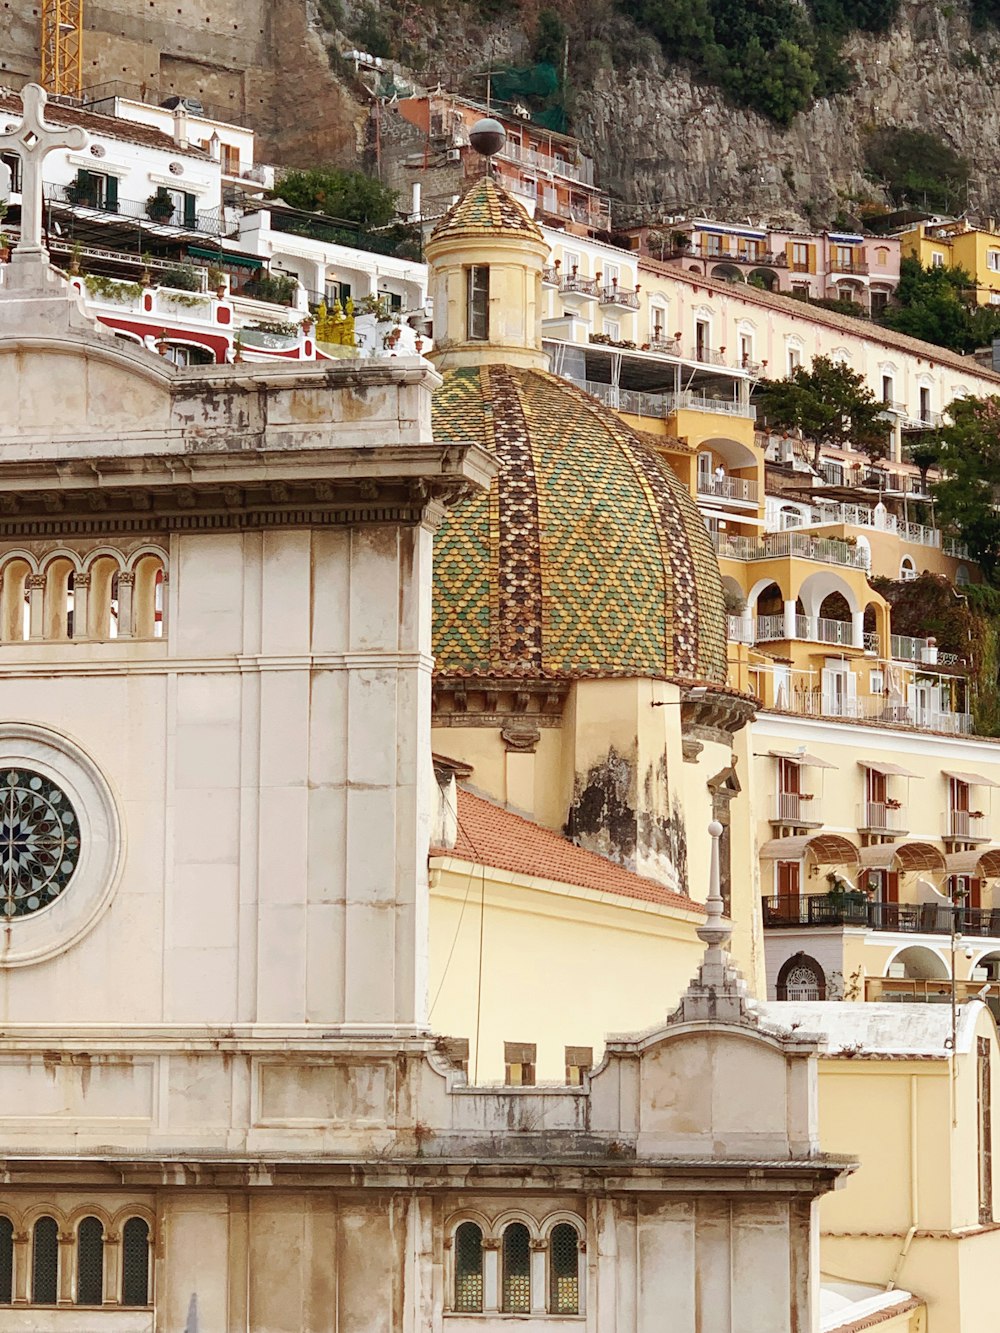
[[111, 194], [190, 211]]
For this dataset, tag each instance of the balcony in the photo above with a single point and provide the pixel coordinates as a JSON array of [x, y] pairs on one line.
[[742, 490], [709, 356], [882, 817], [550, 276], [955, 548], [855, 909], [619, 298], [800, 545], [665, 346], [210, 221], [854, 266], [966, 826], [576, 290], [662, 405], [903, 648], [828, 512], [926, 420], [796, 810], [701, 249]]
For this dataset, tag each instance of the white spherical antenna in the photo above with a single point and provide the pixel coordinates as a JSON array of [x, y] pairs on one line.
[[487, 136]]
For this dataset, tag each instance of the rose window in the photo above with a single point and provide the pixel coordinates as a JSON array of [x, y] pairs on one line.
[[39, 841]]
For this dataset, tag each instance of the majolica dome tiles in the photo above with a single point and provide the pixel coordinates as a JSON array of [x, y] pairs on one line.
[[586, 558], [484, 210]]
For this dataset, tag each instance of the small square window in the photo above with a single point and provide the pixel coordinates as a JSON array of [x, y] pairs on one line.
[[519, 1064], [579, 1061]]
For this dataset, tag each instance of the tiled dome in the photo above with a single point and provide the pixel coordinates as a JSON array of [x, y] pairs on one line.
[[587, 557]]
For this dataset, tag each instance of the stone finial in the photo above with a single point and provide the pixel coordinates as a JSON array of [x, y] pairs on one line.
[[717, 993]]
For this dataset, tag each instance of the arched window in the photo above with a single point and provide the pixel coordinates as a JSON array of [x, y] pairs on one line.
[[564, 1270], [516, 1270], [135, 1262], [468, 1269], [90, 1262], [962, 576], [801, 978], [45, 1262], [6, 1261], [907, 569]]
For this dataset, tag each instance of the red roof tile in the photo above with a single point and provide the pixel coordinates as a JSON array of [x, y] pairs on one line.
[[106, 127], [488, 835]]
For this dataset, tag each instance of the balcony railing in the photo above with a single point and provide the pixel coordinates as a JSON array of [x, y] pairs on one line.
[[624, 297], [796, 808], [791, 542], [550, 276], [739, 630], [709, 356], [818, 702], [700, 249], [864, 516], [881, 817], [571, 284], [955, 548], [210, 220], [855, 909], [666, 346], [662, 404], [852, 265], [966, 826], [728, 488], [925, 651]]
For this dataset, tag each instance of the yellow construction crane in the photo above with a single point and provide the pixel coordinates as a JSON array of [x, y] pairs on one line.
[[62, 47]]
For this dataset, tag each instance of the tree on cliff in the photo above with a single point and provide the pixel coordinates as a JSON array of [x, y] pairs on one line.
[[968, 494], [349, 195], [830, 404]]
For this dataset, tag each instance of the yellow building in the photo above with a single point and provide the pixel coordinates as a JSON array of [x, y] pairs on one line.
[[958, 244], [918, 1213]]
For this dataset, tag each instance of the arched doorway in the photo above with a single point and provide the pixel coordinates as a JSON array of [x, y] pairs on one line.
[[763, 277], [918, 963], [801, 978], [727, 273]]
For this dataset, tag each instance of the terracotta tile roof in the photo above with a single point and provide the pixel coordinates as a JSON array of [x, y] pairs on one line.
[[104, 127], [484, 210], [489, 835], [882, 1317], [790, 305]]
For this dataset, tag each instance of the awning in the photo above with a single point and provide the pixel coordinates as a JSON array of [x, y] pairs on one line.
[[827, 849], [984, 862], [904, 856], [800, 757], [224, 257], [887, 770], [973, 779]]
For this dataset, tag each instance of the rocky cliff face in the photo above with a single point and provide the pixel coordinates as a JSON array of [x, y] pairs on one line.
[[659, 137]]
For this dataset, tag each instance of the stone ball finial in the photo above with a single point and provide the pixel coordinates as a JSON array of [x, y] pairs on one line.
[[487, 136], [715, 829]]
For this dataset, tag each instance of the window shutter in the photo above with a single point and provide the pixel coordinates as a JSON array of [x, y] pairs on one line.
[[190, 212], [111, 194]]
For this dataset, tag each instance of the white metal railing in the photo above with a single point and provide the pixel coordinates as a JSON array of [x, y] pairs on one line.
[[791, 542], [833, 631], [661, 404], [739, 629], [814, 702], [768, 629], [967, 824], [527, 157], [956, 548], [572, 284], [864, 516], [881, 817], [907, 649], [620, 296], [668, 346], [792, 807], [872, 642], [726, 487]]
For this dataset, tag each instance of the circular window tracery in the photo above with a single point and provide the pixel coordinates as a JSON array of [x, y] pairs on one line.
[[39, 841]]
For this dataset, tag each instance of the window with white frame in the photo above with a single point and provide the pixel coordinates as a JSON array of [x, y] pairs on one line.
[[993, 260], [937, 259], [794, 359], [612, 329], [658, 323]]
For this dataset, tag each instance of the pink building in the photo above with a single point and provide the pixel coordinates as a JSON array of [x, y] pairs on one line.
[[828, 265]]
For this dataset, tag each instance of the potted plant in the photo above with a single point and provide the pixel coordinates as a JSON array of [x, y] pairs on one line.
[[160, 206], [217, 280], [74, 258]]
